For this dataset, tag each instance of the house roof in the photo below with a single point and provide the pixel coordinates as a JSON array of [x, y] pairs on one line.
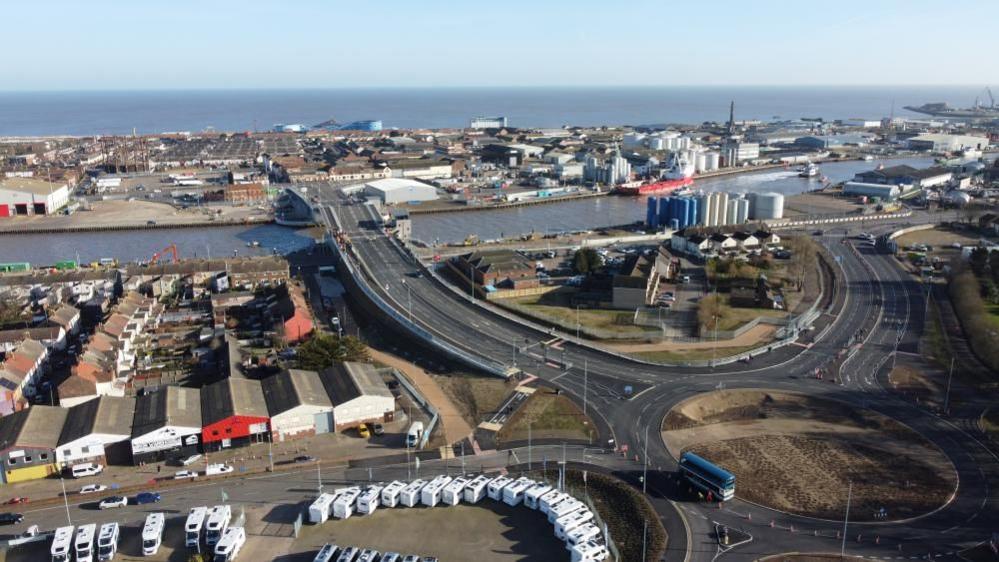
[[22, 334], [106, 414], [173, 405], [346, 381], [293, 388], [64, 315], [232, 397], [37, 427], [77, 386]]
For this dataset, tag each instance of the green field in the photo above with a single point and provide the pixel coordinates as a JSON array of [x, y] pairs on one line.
[[549, 416]]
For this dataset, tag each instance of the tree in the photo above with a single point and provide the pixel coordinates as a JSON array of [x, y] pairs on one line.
[[323, 350], [10, 311], [803, 256], [709, 310], [586, 260]]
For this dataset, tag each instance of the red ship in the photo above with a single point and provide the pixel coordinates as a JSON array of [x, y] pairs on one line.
[[678, 176]]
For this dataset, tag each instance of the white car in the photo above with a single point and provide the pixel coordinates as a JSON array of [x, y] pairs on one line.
[[219, 468], [183, 474], [113, 501], [187, 461], [92, 488]]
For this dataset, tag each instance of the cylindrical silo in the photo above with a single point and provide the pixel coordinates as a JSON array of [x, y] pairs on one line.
[[742, 212], [704, 210], [712, 160], [700, 162], [694, 214], [683, 215], [768, 206], [664, 210], [652, 213], [674, 224]]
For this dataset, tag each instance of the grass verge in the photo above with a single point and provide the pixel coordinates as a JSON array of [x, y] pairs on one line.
[[700, 354], [550, 416]]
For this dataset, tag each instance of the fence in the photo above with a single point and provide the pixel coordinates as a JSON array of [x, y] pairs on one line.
[[423, 402]]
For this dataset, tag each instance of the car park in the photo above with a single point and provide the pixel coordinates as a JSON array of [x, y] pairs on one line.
[[113, 502]]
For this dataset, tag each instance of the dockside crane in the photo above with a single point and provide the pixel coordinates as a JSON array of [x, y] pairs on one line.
[[988, 92]]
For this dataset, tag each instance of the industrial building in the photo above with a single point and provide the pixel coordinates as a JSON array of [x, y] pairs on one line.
[[939, 142], [399, 190], [358, 393], [166, 422], [233, 412], [29, 196], [487, 123], [885, 192], [903, 175], [97, 430], [832, 141], [29, 439], [298, 404]]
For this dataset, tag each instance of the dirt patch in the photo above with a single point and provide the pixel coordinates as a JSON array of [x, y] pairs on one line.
[[475, 397], [814, 448], [550, 416], [917, 384]]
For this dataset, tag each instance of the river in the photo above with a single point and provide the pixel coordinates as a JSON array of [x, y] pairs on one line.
[[613, 210]]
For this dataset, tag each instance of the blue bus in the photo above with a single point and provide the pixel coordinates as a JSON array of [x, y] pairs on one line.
[[708, 477]]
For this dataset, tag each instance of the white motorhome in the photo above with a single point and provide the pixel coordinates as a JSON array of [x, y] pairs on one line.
[[343, 505], [84, 543], [476, 489], [152, 533], [514, 493], [367, 502], [193, 525], [551, 499], [430, 495], [569, 522], [218, 521], [326, 553], [348, 554], [107, 541], [453, 492], [410, 495], [62, 542], [581, 534], [319, 510], [390, 493], [230, 544], [533, 494], [563, 509], [495, 488], [589, 551]]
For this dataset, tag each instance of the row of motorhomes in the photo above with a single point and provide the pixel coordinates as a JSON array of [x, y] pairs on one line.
[[573, 522], [212, 527], [87, 543]]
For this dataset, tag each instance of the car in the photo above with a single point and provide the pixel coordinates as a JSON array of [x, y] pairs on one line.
[[362, 430], [112, 502], [31, 531], [93, 488], [305, 458], [378, 429], [150, 223], [185, 474], [147, 497], [86, 469], [187, 461], [818, 233], [10, 518], [16, 500], [218, 468]]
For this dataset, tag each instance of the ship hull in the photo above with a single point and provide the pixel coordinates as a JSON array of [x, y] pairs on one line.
[[657, 187]]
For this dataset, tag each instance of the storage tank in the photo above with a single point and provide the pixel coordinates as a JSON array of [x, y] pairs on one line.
[[657, 143], [652, 213], [768, 206], [704, 210], [695, 213], [683, 212], [700, 162], [958, 198], [719, 208], [712, 161], [684, 143], [664, 210], [742, 211]]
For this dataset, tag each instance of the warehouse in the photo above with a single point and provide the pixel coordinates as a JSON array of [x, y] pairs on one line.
[[939, 142], [234, 413], [97, 430], [298, 404], [29, 439], [166, 422], [358, 393], [29, 196], [884, 191], [400, 190]]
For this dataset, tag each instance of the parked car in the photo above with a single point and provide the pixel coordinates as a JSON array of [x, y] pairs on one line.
[[378, 429], [187, 461], [16, 500], [10, 518], [185, 474], [93, 488], [362, 430], [86, 469], [218, 468], [147, 497], [305, 458], [112, 502]]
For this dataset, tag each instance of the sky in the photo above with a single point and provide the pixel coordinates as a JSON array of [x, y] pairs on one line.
[[184, 44]]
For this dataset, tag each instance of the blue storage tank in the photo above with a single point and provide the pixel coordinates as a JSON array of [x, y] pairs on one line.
[[664, 210], [683, 212], [674, 210], [652, 213], [674, 224], [695, 212]]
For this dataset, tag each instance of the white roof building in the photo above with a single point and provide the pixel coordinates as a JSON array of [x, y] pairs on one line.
[[358, 393], [400, 190], [298, 404]]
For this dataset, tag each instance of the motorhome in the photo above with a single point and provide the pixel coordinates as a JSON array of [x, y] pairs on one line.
[[367, 502], [326, 553], [343, 505], [218, 521], [551, 499], [83, 545], [495, 488], [193, 526], [564, 508], [566, 523], [319, 510], [348, 554], [415, 435], [230, 544], [514, 493], [390, 493], [410, 495], [581, 534], [430, 495], [476, 489], [152, 534], [589, 551], [533, 494], [368, 555], [62, 542], [453, 492], [107, 541]]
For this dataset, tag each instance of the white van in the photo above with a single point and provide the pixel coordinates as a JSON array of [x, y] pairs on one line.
[[319, 510], [430, 495], [367, 502], [476, 489], [62, 542], [410, 495], [390, 493], [343, 506], [86, 469], [414, 435], [84, 543], [193, 525], [514, 493], [589, 551], [533, 494], [581, 534], [230, 544], [218, 521], [453, 492], [107, 541], [569, 522], [152, 534], [495, 488], [326, 553]]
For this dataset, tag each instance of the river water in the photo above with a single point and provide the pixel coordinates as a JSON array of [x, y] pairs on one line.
[[614, 210]]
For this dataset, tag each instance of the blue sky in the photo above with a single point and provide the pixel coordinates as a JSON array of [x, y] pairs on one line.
[[97, 44]]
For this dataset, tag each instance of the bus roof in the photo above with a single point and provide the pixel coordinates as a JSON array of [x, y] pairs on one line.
[[707, 467]]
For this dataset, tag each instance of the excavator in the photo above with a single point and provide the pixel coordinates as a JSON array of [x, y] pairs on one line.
[[171, 249]]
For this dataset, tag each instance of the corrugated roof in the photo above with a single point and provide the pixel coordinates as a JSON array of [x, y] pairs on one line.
[[38, 427], [346, 381], [31, 185], [293, 388], [174, 405], [105, 414], [232, 397]]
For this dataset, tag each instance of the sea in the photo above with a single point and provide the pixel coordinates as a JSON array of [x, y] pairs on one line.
[[84, 113]]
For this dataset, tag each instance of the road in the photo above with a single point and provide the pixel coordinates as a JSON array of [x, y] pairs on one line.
[[883, 310]]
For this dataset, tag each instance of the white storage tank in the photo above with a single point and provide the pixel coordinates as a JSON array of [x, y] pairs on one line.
[[684, 143], [700, 161], [712, 161], [742, 211], [768, 206], [657, 143]]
